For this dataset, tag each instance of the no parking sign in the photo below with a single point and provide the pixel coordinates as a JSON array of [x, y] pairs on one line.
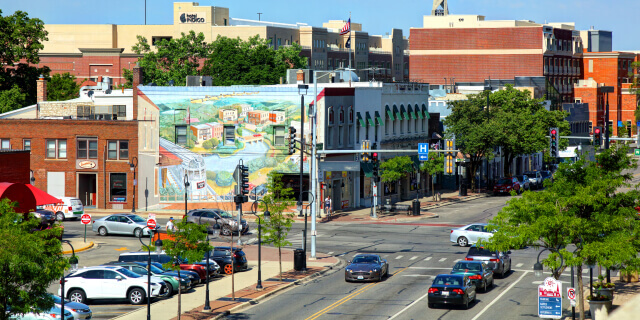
[[571, 294]]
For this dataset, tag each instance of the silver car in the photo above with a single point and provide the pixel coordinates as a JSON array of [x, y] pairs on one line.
[[217, 219], [78, 310], [122, 223], [470, 234]]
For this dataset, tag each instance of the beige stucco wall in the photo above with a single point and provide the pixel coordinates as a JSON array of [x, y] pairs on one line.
[[67, 38]]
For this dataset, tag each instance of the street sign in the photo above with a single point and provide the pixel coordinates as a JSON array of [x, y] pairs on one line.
[[423, 151], [85, 219], [571, 294], [550, 299], [636, 152], [151, 223]]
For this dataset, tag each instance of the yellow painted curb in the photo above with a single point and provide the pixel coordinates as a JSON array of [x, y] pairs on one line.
[[85, 248]]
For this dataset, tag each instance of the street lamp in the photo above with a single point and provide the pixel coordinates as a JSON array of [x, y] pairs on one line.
[[158, 245], [132, 165], [186, 187], [606, 89], [73, 262], [301, 87], [267, 216], [537, 267], [33, 178], [207, 306], [304, 233]]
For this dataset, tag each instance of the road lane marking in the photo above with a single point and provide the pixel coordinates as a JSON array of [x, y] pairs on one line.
[[399, 257], [348, 297], [414, 257], [330, 252], [499, 296], [121, 249], [427, 258], [409, 306], [456, 260], [518, 265], [442, 260]]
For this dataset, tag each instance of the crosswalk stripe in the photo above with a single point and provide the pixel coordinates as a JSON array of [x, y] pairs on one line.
[[427, 258], [414, 257], [519, 265], [399, 257], [443, 259]]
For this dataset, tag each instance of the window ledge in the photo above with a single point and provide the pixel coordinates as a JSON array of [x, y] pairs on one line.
[[56, 159]]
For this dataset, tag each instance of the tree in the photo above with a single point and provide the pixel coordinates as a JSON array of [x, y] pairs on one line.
[[622, 130], [239, 131], [395, 168], [172, 59], [30, 267], [474, 126], [12, 99], [211, 143], [434, 165], [21, 40], [278, 200], [186, 243], [62, 87], [584, 208]]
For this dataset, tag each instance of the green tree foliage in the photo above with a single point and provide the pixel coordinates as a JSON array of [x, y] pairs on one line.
[[278, 200], [635, 86], [21, 39], [173, 59], [29, 261], [239, 131], [224, 178], [187, 244], [211, 144], [62, 87], [622, 131], [434, 165], [395, 168], [584, 208], [12, 99]]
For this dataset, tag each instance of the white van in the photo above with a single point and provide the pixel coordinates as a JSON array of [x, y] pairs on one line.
[[69, 208]]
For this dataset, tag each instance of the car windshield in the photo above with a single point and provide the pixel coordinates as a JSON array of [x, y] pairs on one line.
[[466, 266], [475, 251], [155, 269], [365, 260], [76, 202], [136, 218], [56, 299], [503, 181], [129, 273], [225, 214], [448, 281]]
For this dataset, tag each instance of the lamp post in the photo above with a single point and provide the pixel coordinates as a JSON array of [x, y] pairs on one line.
[[266, 215], [207, 306], [186, 188], [312, 197], [301, 87], [73, 261], [158, 245], [132, 165], [606, 89], [537, 267]]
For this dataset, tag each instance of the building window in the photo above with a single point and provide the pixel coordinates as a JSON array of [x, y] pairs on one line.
[[56, 149], [155, 40], [278, 135], [229, 135], [180, 134], [118, 150], [87, 148], [118, 187], [5, 144], [26, 144]]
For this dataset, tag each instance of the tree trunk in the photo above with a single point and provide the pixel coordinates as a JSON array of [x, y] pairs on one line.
[[280, 260], [580, 293], [179, 296], [508, 160]]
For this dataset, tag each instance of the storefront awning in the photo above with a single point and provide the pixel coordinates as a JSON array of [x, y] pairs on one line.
[[397, 112], [404, 112], [419, 112], [379, 119], [389, 113], [359, 117], [411, 113], [367, 168], [425, 111], [369, 119]]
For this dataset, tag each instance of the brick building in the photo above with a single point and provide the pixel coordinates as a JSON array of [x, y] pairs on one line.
[[258, 117]]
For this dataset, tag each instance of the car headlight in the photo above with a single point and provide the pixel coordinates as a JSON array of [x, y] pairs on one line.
[[375, 270], [176, 278], [349, 270]]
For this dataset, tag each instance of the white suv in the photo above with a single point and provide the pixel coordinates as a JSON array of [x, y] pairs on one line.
[[110, 282]]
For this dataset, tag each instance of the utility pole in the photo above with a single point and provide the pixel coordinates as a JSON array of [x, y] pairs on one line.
[[259, 14]]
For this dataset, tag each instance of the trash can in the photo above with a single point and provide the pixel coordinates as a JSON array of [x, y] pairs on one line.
[[298, 259], [416, 208], [463, 189]]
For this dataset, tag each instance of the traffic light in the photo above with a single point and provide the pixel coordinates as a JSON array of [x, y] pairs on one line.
[[242, 184], [292, 140], [365, 155], [597, 136], [449, 157], [376, 164], [553, 142]]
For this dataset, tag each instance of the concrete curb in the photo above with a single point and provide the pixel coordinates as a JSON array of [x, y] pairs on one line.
[[85, 248], [304, 280], [469, 198]]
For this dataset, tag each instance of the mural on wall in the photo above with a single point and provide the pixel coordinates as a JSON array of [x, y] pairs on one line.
[[206, 131]]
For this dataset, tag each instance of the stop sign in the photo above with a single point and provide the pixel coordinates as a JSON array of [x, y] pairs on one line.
[[151, 223], [85, 219]]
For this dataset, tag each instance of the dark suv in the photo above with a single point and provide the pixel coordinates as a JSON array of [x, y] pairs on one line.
[[47, 218], [499, 262], [217, 219], [223, 256]]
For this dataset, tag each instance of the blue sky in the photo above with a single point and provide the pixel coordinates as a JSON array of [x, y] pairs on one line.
[[375, 15]]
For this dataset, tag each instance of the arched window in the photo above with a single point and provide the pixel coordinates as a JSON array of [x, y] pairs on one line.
[[331, 117], [341, 115]]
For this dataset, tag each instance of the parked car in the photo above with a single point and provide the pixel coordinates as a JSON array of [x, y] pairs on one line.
[[185, 276], [224, 258], [51, 314], [217, 219], [499, 262], [193, 276], [505, 185], [171, 281], [366, 267], [546, 175], [162, 258], [68, 208], [535, 178], [451, 289], [478, 272], [524, 182], [109, 282], [470, 234], [121, 223], [78, 310], [47, 218]]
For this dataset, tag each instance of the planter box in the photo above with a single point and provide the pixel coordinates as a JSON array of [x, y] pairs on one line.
[[606, 292], [628, 276], [599, 306]]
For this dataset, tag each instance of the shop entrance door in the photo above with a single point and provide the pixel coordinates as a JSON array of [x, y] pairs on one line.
[[336, 196], [87, 189]]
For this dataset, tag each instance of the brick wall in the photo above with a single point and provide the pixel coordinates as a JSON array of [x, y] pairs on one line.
[[40, 130], [476, 38], [14, 166], [590, 95], [90, 66]]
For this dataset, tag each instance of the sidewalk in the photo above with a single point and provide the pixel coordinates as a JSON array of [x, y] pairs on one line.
[[220, 292]]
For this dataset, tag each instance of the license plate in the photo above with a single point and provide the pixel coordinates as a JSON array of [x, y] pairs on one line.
[[360, 277], [445, 293]]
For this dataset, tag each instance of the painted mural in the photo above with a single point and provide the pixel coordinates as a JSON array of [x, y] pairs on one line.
[[206, 131]]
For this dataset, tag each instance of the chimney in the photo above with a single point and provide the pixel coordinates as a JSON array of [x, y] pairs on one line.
[[137, 80], [41, 94], [300, 77]]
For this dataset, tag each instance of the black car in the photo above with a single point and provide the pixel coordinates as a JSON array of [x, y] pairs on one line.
[[499, 262], [366, 267], [224, 258], [193, 276], [451, 289], [47, 218]]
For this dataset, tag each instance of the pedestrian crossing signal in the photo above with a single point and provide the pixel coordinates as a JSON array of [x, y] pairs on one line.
[[449, 156]]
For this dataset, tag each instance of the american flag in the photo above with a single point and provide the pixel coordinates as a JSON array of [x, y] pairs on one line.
[[347, 28]]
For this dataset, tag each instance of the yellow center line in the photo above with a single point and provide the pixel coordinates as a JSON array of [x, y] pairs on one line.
[[347, 298]]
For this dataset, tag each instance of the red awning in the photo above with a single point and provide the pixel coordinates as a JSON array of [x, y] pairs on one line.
[[42, 197], [19, 193]]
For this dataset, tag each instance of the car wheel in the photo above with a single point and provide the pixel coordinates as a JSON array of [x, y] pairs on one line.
[[431, 305], [103, 231], [502, 273], [136, 296], [169, 292], [77, 296], [484, 286], [463, 242], [137, 232], [466, 304], [60, 216], [226, 230], [228, 269]]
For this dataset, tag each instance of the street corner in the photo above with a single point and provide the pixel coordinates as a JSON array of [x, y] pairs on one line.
[[79, 246]]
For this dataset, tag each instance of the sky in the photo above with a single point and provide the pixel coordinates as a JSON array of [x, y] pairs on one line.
[[376, 16]]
